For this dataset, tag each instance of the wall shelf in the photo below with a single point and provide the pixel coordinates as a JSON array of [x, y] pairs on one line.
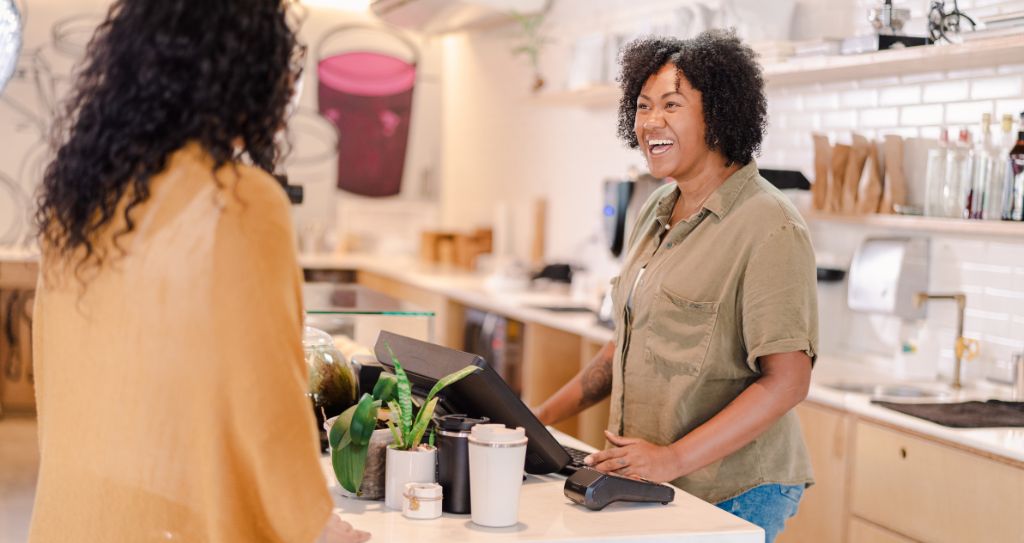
[[972, 54], [933, 225], [825, 69]]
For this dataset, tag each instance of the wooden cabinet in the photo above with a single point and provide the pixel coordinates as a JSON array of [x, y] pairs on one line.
[[594, 420], [933, 492], [822, 512], [878, 484], [550, 359], [864, 532], [17, 284]]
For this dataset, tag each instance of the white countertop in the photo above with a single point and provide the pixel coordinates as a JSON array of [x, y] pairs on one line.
[[545, 514], [11, 255], [1004, 442], [469, 289]]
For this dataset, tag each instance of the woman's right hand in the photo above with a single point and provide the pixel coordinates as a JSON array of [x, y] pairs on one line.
[[339, 531]]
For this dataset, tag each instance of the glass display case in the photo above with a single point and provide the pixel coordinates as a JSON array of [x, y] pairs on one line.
[[342, 321], [353, 315]]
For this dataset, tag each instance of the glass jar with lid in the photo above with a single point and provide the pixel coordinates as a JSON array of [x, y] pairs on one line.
[[332, 382]]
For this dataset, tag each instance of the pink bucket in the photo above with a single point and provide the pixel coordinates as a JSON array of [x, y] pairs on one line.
[[367, 96]]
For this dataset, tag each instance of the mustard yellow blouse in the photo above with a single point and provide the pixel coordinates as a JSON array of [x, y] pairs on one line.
[[170, 379]]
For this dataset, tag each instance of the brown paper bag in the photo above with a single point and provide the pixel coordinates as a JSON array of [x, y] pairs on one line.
[[869, 193], [840, 156], [822, 157], [894, 192], [854, 167]]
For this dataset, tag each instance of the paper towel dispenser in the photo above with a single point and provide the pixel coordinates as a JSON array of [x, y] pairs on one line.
[[885, 275]]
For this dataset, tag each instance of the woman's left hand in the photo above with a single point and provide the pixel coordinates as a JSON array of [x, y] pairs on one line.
[[636, 458]]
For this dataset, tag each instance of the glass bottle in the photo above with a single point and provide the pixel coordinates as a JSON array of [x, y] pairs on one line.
[[1014, 206], [995, 195], [935, 177], [1009, 136], [985, 157], [959, 170]]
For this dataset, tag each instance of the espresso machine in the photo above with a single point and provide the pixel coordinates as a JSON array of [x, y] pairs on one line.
[[623, 199]]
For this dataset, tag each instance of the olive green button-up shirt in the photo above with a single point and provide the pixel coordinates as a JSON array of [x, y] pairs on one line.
[[735, 282]]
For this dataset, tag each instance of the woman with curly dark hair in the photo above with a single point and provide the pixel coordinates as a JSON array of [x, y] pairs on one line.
[[716, 304], [169, 370]]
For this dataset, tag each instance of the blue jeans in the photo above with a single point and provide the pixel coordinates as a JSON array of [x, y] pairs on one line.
[[768, 506]]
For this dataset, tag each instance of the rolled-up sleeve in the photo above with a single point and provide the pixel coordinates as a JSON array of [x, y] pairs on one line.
[[779, 300]]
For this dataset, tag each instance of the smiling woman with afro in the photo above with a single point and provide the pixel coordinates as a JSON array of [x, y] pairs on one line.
[[716, 303]]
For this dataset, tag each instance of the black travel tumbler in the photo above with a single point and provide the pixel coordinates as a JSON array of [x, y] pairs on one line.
[[453, 461]]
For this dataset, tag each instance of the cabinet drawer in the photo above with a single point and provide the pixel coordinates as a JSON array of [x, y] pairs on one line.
[[823, 508], [932, 492], [864, 532]]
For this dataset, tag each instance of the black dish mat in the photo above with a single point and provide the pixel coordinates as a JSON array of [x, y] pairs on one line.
[[990, 414]]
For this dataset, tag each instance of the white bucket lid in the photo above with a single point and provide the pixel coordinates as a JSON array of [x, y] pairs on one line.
[[497, 433]]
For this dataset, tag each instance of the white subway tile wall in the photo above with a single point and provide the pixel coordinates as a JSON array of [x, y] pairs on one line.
[[920, 115], [947, 91], [996, 87], [990, 273], [899, 96]]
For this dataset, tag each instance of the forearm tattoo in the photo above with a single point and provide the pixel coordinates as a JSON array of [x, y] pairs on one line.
[[596, 381]]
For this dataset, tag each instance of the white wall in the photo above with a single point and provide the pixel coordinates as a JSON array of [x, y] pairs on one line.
[[500, 144]]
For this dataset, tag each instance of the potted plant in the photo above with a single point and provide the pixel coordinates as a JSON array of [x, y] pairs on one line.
[[408, 459], [355, 437], [358, 438]]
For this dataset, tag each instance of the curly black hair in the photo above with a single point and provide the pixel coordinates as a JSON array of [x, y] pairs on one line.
[[726, 73], [156, 75]]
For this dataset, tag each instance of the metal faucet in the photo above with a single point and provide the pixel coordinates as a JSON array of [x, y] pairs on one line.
[[963, 347]]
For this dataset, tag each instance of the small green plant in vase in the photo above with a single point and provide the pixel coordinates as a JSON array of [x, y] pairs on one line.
[[350, 439], [351, 432]]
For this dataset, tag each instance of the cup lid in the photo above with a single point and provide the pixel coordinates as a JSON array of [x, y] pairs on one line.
[[460, 423], [423, 490], [497, 433]]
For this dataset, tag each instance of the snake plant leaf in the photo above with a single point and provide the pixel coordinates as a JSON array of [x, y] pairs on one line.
[[349, 463], [386, 388], [404, 394], [424, 417], [396, 434], [364, 420], [450, 379], [393, 423], [340, 426]]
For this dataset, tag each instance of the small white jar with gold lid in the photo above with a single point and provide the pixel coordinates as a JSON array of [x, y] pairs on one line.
[[422, 501]]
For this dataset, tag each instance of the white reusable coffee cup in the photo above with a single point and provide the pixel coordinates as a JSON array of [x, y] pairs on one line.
[[497, 456]]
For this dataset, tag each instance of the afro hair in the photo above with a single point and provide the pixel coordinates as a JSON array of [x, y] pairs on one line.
[[718, 65]]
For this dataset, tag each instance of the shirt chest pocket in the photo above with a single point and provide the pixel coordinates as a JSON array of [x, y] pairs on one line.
[[679, 333]]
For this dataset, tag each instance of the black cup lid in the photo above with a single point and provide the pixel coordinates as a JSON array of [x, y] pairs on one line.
[[460, 423]]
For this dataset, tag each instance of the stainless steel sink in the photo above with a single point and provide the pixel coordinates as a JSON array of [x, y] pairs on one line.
[[892, 391], [860, 388], [907, 391]]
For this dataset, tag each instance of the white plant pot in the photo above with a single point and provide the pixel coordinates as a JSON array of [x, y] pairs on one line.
[[407, 467]]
